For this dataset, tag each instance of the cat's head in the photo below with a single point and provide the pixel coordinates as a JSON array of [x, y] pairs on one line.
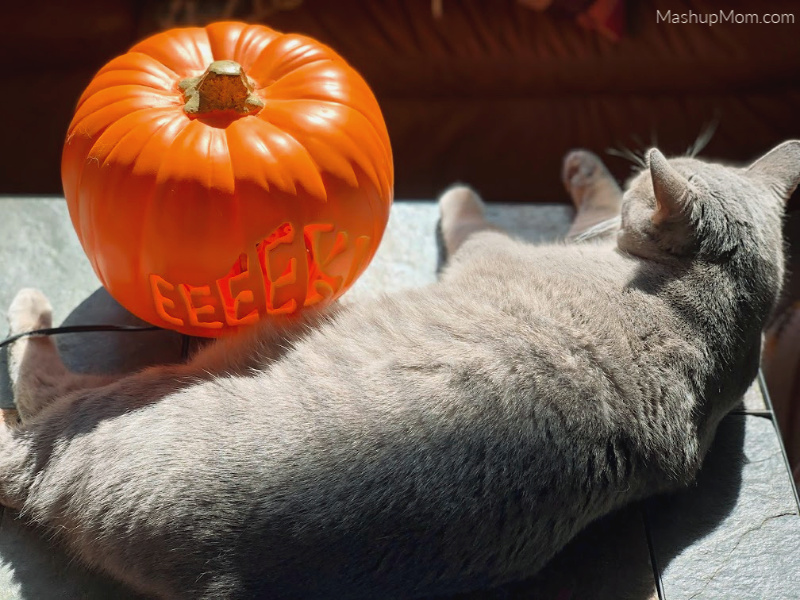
[[723, 226], [687, 208]]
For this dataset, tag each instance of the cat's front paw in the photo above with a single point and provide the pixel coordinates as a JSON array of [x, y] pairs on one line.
[[460, 203], [30, 310], [582, 173], [461, 213]]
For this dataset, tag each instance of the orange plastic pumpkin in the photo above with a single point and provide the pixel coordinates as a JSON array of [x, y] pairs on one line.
[[219, 175]]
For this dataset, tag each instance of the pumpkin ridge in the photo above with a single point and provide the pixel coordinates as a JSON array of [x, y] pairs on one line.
[[141, 62], [102, 116], [376, 207], [200, 51], [114, 79], [221, 174], [268, 92], [274, 63], [251, 42], [335, 135], [207, 155], [311, 145], [237, 144], [379, 133], [265, 83], [155, 194], [235, 203], [121, 138], [152, 196], [166, 168], [308, 156], [347, 73], [100, 132], [107, 180], [218, 38], [244, 34], [176, 120], [318, 191], [178, 47], [293, 72], [312, 63], [165, 85], [234, 207]]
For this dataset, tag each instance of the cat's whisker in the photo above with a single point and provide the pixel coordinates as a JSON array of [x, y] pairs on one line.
[[638, 141], [629, 155], [600, 230], [704, 137]]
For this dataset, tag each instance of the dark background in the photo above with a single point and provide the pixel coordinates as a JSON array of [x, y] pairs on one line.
[[491, 93]]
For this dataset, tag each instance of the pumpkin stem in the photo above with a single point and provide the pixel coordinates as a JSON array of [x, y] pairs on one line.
[[223, 87]]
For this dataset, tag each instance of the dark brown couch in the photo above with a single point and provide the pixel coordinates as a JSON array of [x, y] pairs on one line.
[[491, 93]]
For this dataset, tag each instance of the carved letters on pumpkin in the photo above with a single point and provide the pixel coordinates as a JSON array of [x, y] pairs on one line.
[[284, 234], [176, 303], [231, 303]]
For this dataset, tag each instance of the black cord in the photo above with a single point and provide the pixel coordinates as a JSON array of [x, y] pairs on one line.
[[78, 329], [185, 342]]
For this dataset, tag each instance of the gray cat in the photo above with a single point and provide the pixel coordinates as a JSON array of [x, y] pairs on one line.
[[449, 439]]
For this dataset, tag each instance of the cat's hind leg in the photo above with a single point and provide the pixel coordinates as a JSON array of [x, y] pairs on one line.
[[37, 373], [595, 193], [461, 214]]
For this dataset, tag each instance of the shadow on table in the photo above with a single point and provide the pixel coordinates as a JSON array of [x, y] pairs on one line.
[[114, 352], [32, 567], [621, 556], [6, 393], [738, 454], [104, 352]]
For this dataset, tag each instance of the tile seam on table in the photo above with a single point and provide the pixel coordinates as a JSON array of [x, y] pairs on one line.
[[763, 413], [652, 551], [762, 384]]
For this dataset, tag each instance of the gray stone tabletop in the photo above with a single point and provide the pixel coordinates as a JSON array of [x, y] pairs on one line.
[[735, 534]]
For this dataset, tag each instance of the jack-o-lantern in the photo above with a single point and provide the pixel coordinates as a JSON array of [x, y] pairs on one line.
[[220, 175]]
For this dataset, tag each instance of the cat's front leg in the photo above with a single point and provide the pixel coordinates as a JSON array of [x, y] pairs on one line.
[[37, 373], [594, 191], [461, 214], [31, 363]]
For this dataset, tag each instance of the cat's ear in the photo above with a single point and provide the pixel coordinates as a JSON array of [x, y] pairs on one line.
[[672, 190], [779, 168]]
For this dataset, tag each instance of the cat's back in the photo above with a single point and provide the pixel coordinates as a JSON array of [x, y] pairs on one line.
[[506, 315], [579, 291]]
